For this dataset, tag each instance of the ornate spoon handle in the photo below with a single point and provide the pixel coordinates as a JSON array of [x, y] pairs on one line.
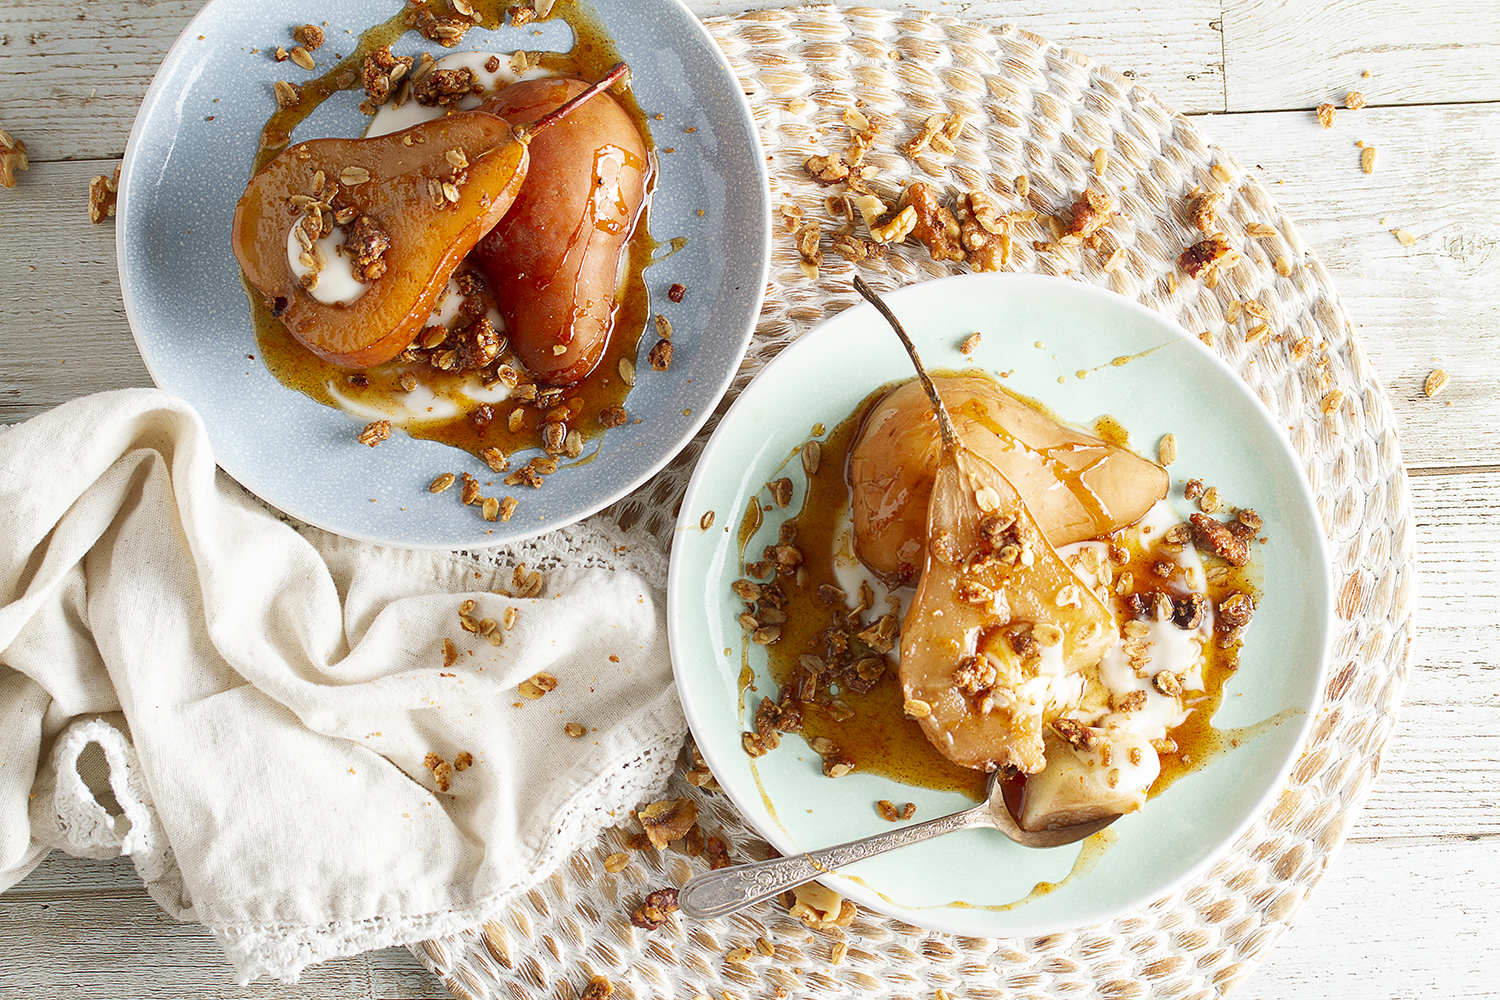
[[722, 892]]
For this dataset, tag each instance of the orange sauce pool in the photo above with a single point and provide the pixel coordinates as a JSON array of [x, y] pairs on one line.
[[877, 738]]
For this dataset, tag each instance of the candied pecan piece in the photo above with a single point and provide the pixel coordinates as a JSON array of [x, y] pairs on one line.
[[1217, 538], [1091, 213], [1235, 611], [1205, 256], [935, 227], [660, 356]]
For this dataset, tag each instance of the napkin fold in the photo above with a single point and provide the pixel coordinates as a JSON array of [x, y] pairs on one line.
[[269, 703]]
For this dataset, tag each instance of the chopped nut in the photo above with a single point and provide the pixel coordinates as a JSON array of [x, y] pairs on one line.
[[598, 988], [1204, 209], [935, 226], [1207, 257], [1188, 612], [660, 356], [667, 820], [1436, 382], [102, 190], [781, 492], [375, 432], [826, 170], [1326, 114], [1217, 538], [897, 229]]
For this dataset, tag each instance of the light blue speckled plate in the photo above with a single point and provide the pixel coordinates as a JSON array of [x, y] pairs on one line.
[[1044, 331], [187, 163]]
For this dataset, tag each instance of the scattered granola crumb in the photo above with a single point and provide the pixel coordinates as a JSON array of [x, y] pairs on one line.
[[375, 432], [1407, 238], [450, 653], [667, 820], [575, 729], [1436, 382], [538, 685], [1354, 100], [463, 761], [970, 342], [1367, 158], [13, 158], [1326, 115], [102, 190], [676, 292], [442, 482], [661, 356], [617, 862], [309, 36], [598, 988], [1205, 209], [1332, 401]]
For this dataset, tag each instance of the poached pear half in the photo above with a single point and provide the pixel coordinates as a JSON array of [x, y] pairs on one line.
[[433, 190], [1075, 485]]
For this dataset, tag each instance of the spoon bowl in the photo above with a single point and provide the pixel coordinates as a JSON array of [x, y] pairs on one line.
[[729, 890]]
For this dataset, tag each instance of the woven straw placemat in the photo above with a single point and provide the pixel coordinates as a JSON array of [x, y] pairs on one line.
[[1037, 109]]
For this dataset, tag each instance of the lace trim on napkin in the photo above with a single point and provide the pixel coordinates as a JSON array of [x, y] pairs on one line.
[[284, 952]]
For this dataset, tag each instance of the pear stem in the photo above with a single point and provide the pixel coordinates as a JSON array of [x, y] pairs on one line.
[[525, 132], [945, 423]]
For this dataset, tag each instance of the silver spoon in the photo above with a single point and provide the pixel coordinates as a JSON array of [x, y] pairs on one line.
[[728, 890]]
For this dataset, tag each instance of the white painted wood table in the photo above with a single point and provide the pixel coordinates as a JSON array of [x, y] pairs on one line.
[[1410, 907]]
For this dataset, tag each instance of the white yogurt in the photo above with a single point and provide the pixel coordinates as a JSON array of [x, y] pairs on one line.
[[336, 285]]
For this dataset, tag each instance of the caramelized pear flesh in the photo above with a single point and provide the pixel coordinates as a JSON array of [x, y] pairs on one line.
[[1075, 485], [1001, 631], [396, 181], [554, 260]]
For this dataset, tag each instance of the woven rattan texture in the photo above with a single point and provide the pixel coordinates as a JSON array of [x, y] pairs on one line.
[[1036, 109]]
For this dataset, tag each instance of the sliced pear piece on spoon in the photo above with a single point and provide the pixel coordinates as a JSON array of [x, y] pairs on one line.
[[1000, 630], [1077, 486]]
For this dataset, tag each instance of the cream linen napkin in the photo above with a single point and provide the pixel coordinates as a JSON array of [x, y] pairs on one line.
[[265, 698]]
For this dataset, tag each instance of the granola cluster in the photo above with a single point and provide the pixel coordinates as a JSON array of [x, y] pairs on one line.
[[12, 158]]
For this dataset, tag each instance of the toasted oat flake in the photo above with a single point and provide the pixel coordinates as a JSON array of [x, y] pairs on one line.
[[1257, 332], [456, 158], [1101, 161], [1367, 159], [491, 508], [575, 729], [1332, 401], [970, 342], [287, 94], [1166, 449], [1436, 382], [442, 482], [1221, 173], [917, 708], [627, 371], [1407, 238], [617, 862], [375, 432], [812, 457], [351, 176], [1260, 230], [507, 508], [1283, 267]]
